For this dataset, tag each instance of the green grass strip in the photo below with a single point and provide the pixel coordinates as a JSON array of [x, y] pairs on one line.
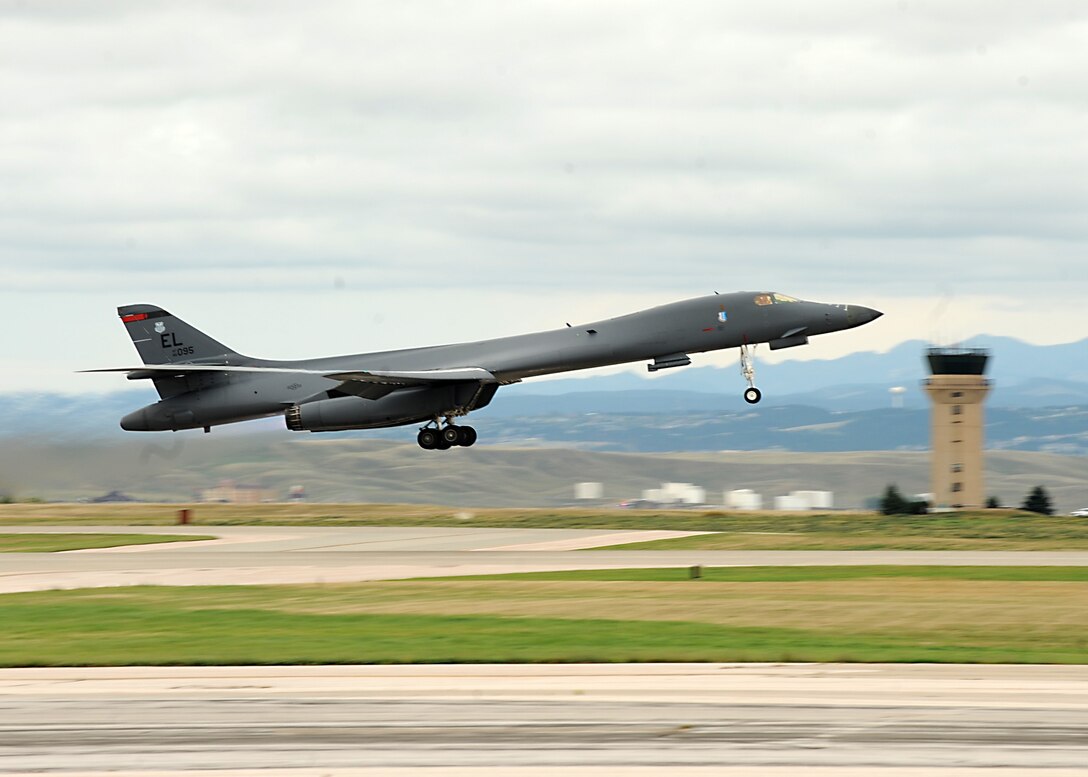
[[800, 574], [96, 634], [52, 543]]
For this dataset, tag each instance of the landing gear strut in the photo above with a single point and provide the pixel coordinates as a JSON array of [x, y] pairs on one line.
[[445, 437], [752, 395]]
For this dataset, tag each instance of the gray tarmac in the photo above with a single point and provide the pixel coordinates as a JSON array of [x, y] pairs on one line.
[[634, 720], [264, 555], [687, 719]]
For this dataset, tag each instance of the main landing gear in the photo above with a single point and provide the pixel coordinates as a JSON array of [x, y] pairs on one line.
[[443, 438], [752, 395]]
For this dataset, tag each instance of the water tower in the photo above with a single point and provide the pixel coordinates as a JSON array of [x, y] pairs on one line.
[[957, 388]]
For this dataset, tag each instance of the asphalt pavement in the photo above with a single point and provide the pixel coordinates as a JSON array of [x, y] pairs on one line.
[[685, 719], [259, 554], [538, 721]]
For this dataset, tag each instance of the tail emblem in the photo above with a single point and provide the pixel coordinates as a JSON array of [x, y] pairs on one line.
[[160, 327]]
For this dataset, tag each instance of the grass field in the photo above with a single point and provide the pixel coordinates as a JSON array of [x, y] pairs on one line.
[[52, 543], [800, 574], [886, 614], [982, 530]]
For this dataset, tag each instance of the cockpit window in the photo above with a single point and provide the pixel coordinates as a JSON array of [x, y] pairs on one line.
[[774, 299]]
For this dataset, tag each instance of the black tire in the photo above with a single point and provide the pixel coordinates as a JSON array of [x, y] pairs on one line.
[[452, 434], [443, 444], [427, 439], [468, 437], [752, 395]]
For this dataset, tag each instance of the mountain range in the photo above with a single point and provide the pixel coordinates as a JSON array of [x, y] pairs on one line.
[[1039, 402]]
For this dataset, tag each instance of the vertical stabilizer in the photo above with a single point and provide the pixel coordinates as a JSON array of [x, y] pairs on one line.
[[161, 338]]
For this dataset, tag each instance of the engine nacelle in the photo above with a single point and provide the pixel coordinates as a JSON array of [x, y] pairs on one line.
[[405, 406]]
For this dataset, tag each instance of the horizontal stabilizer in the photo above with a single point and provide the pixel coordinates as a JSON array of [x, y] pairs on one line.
[[388, 377]]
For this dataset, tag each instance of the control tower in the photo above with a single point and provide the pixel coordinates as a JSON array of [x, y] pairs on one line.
[[957, 388]]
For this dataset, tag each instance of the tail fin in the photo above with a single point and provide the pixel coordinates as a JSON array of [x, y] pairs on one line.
[[161, 338]]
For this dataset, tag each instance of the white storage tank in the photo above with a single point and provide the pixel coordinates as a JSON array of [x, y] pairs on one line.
[[789, 502], [655, 495], [588, 490], [815, 500], [694, 495], [743, 499], [675, 492]]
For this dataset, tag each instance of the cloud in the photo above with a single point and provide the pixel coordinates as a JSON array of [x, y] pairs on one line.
[[844, 150]]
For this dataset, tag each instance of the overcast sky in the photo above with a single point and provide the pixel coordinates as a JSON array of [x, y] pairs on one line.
[[303, 179]]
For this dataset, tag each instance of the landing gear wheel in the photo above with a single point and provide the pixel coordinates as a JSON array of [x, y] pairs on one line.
[[443, 444], [752, 395], [468, 437], [427, 439], [452, 435]]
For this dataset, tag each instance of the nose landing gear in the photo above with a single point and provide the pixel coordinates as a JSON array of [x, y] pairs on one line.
[[445, 437], [752, 395]]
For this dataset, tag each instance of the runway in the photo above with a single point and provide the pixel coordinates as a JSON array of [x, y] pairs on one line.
[[272, 554], [455, 721], [687, 719]]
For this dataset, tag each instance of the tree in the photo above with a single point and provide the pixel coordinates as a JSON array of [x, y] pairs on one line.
[[1038, 501], [893, 503], [993, 503]]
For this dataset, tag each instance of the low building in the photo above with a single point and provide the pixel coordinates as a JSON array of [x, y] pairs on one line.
[[676, 494], [805, 500], [231, 492], [112, 496], [296, 494]]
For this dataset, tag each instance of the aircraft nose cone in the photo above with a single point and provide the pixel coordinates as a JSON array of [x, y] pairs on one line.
[[869, 314], [861, 315]]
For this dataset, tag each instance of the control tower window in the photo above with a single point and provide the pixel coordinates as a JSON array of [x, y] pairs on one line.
[[957, 468], [957, 409], [957, 486]]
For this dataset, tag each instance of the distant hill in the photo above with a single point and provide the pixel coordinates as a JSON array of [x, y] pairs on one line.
[[1040, 402], [1014, 363], [611, 420], [350, 470], [787, 427]]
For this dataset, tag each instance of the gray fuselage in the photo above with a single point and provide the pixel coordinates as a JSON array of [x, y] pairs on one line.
[[697, 325]]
